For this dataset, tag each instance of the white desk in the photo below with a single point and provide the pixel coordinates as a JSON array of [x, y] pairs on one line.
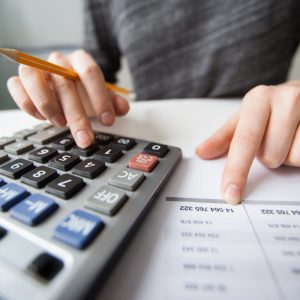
[[184, 124]]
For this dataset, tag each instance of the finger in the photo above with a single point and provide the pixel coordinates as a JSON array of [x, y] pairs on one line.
[[246, 140], [94, 83], [293, 158], [121, 105], [21, 98], [281, 128], [38, 90], [218, 144], [71, 104]]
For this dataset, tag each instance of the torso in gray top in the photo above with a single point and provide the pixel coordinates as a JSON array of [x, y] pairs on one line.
[[194, 48]]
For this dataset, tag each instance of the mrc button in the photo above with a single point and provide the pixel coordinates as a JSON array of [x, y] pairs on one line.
[[156, 149], [78, 229]]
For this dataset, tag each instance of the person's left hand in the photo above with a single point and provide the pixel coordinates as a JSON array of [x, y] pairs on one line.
[[267, 126]]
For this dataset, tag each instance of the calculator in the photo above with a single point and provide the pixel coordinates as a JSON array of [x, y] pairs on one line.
[[66, 213]]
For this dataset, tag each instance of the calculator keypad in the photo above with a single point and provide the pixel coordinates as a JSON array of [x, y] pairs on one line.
[[108, 187]]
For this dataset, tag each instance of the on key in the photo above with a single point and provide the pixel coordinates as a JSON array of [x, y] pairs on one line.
[[16, 168]]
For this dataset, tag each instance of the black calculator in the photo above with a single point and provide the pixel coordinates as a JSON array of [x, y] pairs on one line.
[[67, 212]]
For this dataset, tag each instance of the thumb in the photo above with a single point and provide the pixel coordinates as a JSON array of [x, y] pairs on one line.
[[218, 144]]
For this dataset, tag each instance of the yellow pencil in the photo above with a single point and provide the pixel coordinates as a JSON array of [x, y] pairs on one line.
[[23, 58]]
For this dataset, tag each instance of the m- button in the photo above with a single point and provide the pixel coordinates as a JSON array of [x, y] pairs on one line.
[[106, 200]]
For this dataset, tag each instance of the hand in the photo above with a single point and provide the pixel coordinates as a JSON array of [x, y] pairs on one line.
[[63, 101], [267, 126]]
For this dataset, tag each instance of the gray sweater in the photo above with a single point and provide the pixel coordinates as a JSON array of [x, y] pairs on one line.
[[194, 48]]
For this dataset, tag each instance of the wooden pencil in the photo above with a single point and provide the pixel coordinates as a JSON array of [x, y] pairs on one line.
[[32, 61]]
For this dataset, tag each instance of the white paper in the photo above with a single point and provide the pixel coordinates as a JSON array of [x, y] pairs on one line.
[[194, 246]]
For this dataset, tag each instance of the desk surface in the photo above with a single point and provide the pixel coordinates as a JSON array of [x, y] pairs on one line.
[[182, 123]]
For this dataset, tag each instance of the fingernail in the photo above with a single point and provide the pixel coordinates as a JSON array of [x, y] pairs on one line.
[[107, 118], [58, 120], [232, 194], [83, 139]]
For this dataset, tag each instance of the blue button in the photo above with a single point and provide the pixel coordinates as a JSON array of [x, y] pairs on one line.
[[34, 209], [78, 229], [10, 195]]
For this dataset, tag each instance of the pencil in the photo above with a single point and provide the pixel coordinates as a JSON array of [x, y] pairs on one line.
[[32, 61]]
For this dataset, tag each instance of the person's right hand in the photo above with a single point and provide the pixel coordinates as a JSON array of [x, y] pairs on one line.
[[63, 101]]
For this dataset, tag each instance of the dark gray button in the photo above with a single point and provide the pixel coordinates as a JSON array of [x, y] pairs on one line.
[[89, 168], [39, 176], [108, 154], [65, 186], [18, 147], [124, 143], [64, 161], [64, 143], [158, 150], [43, 154], [45, 266], [106, 200], [16, 168], [127, 179]]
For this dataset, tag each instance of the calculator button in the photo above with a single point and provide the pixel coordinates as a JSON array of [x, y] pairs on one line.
[[64, 161], [127, 179], [3, 157], [10, 195], [18, 147], [106, 200], [85, 152], [78, 229], [42, 155], [48, 135], [89, 168], [64, 143], [42, 126], [103, 139], [156, 149], [3, 232], [39, 176], [65, 186], [124, 143], [23, 134], [143, 162], [45, 266], [33, 209], [5, 141], [108, 154], [16, 168]]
